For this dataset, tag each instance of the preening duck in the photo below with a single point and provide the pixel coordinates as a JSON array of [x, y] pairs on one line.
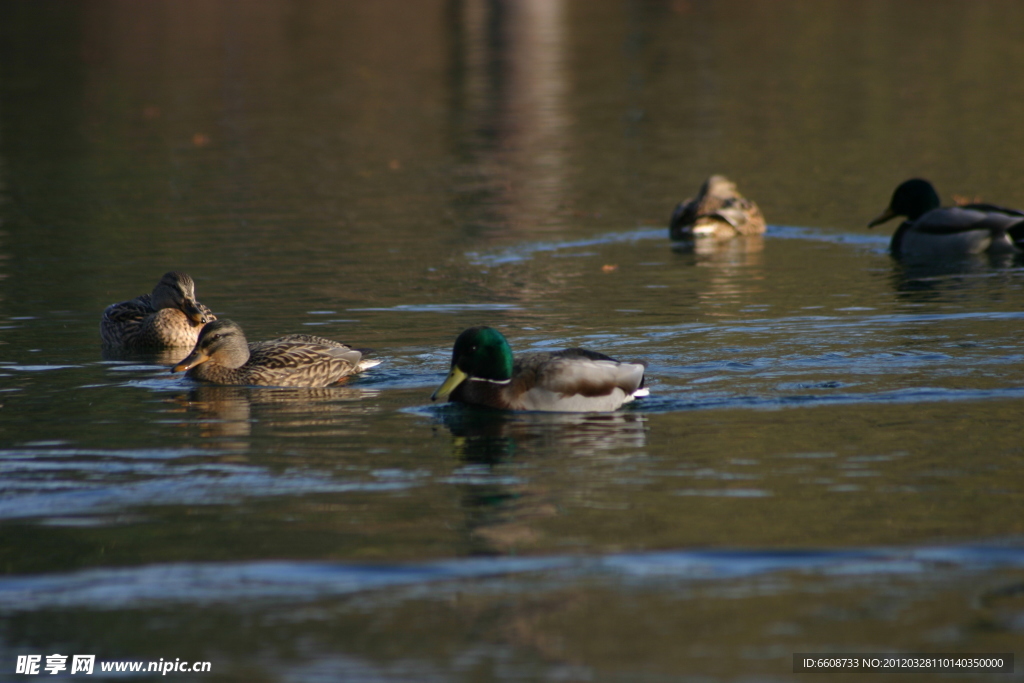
[[484, 372], [169, 317], [718, 210]]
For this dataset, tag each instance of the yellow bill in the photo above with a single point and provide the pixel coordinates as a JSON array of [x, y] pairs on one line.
[[454, 379]]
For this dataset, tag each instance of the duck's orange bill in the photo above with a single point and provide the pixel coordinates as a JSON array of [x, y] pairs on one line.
[[195, 358]]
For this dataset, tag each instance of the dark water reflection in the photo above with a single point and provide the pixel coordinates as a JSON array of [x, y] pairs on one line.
[[830, 458], [232, 411], [943, 279], [503, 507], [539, 617], [490, 437]]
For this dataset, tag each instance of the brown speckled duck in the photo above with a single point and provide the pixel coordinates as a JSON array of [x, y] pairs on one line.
[[718, 211], [484, 373], [223, 356], [169, 317]]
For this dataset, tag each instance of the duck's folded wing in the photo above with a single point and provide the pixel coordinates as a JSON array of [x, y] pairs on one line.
[[589, 377], [956, 219], [306, 339], [577, 385], [1016, 227], [127, 311], [994, 208], [292, 351]]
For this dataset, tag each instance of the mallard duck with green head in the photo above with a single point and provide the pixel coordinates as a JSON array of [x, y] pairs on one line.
[[484, 373], [168, 317], [718, 211], [223, 356], [932, 232]]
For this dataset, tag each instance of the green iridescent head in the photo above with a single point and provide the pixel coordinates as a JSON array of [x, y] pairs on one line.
[[481, 353]]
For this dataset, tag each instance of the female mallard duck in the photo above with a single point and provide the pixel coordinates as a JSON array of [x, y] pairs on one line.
[[931, 232], [484, 373], [222, 356], [169, 317], [718, 211]]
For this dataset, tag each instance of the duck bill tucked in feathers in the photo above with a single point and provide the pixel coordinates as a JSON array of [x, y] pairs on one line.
[[194, 312], [718, 210], [451, 382]]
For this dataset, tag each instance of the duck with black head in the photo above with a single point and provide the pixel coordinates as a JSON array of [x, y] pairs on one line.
[[932, 232]]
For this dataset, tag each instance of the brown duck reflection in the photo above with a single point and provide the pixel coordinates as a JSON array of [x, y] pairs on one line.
[[162, 357], [733, 270], [502, 514], [743, 250], [231, 412]]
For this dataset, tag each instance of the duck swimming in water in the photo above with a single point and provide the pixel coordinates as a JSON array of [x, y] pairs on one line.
[[484, 373], [169, 317], [931, 232], [718, 210], [223, 356]]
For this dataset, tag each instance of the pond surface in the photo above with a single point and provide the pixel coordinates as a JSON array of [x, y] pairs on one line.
[[830, 459]]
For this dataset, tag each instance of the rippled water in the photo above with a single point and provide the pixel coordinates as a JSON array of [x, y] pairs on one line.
[[830, 457]]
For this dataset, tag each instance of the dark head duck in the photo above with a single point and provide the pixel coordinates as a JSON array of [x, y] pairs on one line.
[[931, 232]]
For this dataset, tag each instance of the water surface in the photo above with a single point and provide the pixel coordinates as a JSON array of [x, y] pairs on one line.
[[830, 456]]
